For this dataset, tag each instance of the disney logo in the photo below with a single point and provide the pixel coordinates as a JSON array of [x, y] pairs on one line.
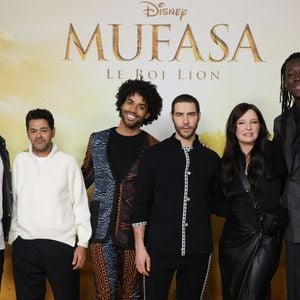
[[161, 9]]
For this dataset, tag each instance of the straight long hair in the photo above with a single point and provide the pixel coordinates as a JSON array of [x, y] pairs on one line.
[[232, 151]]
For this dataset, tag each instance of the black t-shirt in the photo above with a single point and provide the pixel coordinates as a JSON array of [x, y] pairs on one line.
[[123, 151]]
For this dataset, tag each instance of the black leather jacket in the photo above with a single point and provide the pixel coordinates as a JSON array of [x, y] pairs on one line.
[[6, 190]]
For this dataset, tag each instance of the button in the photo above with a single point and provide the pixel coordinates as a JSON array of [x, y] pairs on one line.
[[188, 199], [189, 172], [186, 224]]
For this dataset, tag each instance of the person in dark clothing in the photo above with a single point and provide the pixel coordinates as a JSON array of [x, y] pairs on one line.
[[5, 200], [253, 175], [287, 132], [112, 163], [176, 189]]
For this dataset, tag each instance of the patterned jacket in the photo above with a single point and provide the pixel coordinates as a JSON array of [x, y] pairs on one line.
[[111, 203]]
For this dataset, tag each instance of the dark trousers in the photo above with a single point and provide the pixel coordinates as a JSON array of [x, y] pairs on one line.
[[191, 276], [36, 260], [293, 270]]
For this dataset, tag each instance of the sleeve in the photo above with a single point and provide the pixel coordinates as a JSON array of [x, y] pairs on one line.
[[7, 200], [144, 192], [219, 204], [276, 162], [13, 227], [277, 130], [80, 206], [88, 165]]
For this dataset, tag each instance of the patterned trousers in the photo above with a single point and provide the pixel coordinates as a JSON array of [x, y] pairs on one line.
[[112, 264]]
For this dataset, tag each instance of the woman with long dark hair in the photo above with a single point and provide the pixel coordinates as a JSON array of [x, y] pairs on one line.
[[253, 175]]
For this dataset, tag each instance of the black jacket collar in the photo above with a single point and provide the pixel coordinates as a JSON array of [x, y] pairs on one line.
[[176, 143]]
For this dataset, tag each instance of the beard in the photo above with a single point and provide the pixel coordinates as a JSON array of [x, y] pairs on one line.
[[185, 135], [41, 147], [137, 123]]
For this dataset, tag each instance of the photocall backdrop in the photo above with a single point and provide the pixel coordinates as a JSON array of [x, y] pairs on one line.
[[71, 56]]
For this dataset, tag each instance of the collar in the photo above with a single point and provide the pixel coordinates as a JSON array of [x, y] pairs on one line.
[[52, 152], [176, 143]]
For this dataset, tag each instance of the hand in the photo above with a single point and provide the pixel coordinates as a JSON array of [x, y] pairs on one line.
[[79, 258], [142, 260]]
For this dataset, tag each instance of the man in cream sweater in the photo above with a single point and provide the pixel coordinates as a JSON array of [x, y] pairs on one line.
[[51, 221]]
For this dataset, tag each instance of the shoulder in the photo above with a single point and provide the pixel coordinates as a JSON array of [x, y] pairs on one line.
[[102, 133], [206, 153], [66, 161], [209, 151], [159, 149], [2, 145], [21, 157], [277, 119], [163, 145], [150, 138], [272, 148], [155, 148], [100, 136], [288, 114], [2, 141], [65, 157], [23, 154]]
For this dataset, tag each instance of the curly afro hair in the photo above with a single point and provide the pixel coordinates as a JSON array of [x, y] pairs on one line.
[[147, 90]]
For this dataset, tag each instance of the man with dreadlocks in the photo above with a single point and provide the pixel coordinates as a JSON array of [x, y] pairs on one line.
[[287, 131], [112, 163]]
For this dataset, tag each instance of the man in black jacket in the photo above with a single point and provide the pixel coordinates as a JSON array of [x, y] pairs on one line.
[[176, 190], [5, 200], [287, 132]]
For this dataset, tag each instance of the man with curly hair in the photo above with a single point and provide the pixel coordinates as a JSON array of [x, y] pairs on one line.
[[111, 163]]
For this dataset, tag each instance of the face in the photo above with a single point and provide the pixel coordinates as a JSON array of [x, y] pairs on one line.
[[185, 119], [292, 78], [247, 128], [40, 136], [133, 111]]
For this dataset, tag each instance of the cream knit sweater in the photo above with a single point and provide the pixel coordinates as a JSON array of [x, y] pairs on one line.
[[49, 202]]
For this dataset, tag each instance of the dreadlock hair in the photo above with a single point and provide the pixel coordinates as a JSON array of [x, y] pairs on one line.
[[231, 156], [149, 93], [286, 98]]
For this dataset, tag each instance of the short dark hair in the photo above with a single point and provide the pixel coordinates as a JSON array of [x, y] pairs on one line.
[[39, 113], [149, 93], [185, 98]]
